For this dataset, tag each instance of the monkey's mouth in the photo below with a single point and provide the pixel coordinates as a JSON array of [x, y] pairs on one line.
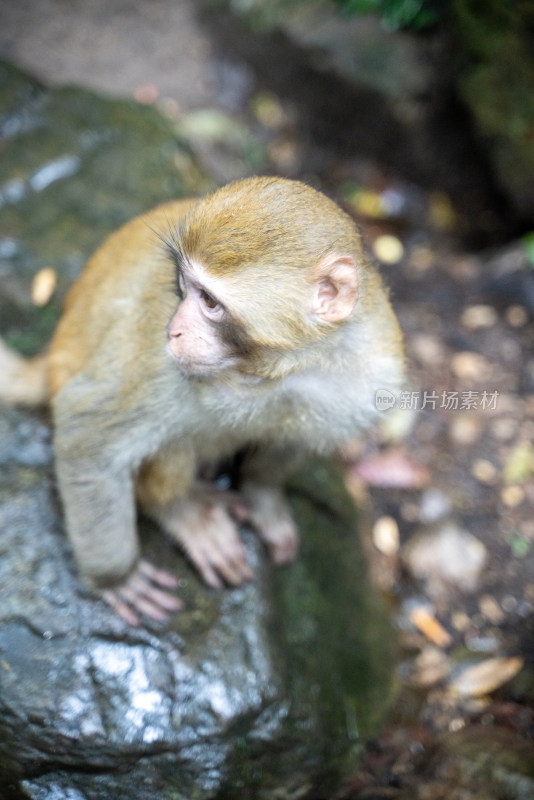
[[201, 369]]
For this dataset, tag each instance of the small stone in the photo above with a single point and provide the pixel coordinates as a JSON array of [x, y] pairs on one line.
[[512, 496], [428, 349], [445, 556], [422, 258], [386, 535], [430, 667], [484, 471], [509, 603], [470, 366], [516, 316], [479, 316], [490, 609], [434, 506], [504, 428], [465, 429], [460, 621]]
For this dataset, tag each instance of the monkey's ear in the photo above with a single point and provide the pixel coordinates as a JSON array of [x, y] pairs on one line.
[[335, 290]]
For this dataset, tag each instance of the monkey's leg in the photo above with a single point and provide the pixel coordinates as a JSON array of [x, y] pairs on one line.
[[264, 471], [202, 520]]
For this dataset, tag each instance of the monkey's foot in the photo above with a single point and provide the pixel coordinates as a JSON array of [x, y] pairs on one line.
[[205, 526], [140, 595], [273, 521]]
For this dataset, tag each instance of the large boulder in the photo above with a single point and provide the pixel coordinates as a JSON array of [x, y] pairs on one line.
[[273, 686]]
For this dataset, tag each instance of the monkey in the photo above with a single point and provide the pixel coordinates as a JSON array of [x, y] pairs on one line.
[[247, 321]]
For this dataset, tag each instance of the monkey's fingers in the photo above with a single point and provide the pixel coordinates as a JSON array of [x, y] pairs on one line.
[[159, 576], [218, 552], [140, 595], [281, 538], [219, 567], [283, 552], [144, 604], [121, 608], [144, 591]]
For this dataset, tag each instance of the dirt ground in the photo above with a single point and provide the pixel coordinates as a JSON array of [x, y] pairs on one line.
[[451, 538]]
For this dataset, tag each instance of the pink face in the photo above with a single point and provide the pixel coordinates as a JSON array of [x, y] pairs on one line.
[[193, 333]]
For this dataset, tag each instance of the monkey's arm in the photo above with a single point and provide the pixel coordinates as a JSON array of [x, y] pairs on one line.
[[94, 454]]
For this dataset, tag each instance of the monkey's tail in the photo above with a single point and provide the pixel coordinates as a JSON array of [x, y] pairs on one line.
[[23, 381]]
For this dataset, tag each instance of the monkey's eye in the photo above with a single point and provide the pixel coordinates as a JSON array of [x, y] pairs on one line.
[[210, 302]]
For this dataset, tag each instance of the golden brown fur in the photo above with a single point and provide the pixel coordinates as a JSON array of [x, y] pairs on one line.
[[281, 338]]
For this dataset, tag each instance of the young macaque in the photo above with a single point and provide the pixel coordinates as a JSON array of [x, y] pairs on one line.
[[247, 319]]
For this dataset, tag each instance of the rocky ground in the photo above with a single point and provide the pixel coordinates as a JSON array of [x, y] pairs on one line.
[[451, 540]]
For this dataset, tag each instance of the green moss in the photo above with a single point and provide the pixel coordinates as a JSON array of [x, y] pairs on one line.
[[75, 166]]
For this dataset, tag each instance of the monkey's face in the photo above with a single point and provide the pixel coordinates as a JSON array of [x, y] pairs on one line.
[[250, 326], [265, 270], [194, 337]]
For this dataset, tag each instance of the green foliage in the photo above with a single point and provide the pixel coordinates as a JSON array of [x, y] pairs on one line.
[[395, 14], [528, 247]]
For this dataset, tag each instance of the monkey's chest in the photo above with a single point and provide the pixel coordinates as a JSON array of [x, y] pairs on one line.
[[283, 416]]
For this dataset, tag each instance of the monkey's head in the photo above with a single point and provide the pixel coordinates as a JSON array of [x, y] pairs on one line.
[[266, 269]]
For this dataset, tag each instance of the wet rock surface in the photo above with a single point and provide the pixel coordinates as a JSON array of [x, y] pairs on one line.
[[247, 691], [269, 688]]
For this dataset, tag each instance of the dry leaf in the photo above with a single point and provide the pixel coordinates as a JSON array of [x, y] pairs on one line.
[[43, 286], [388, 249], [430, 627], [392, 469], [486, 676], [470, 366], [479, 316], [520, 463], [386, 536]]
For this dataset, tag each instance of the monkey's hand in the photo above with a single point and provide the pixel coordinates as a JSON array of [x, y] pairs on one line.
[[205, 524], [271, 517], [144, 593]]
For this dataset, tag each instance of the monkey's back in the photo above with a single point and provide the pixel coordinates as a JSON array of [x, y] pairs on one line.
[[128, 271]]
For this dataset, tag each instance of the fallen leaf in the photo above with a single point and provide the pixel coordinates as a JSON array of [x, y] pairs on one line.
[[446, 557], [470, 366], [484, 471], [486, 676], [520, 463], [512, 496], [479, 316], [426, 622], [391, 469], [43, 286], [386, 535], [388, 249]]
